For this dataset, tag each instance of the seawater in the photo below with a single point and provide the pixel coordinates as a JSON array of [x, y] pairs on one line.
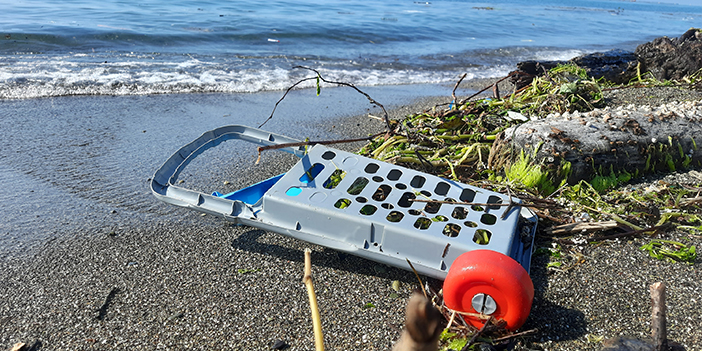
[[112, 47]]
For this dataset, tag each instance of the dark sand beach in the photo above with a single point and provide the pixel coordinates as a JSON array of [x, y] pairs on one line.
[[89, 259]]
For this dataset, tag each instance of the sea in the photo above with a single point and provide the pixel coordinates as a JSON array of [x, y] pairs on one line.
[[96, 95], [51, 48]]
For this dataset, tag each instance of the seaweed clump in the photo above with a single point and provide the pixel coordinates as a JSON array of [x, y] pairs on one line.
[[455, 142]]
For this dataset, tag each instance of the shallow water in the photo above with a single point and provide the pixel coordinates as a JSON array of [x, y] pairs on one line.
[[72, 163]]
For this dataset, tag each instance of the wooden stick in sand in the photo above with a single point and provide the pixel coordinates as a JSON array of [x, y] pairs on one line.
[[316, 320], [658, 327]]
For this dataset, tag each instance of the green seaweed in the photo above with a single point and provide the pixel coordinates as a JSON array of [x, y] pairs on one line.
[[671, 251], [529, 174]]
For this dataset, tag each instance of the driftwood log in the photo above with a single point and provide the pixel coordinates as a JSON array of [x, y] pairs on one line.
[[607, 141]]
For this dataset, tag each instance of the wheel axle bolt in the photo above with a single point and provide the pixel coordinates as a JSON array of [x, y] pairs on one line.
[[483, 303]]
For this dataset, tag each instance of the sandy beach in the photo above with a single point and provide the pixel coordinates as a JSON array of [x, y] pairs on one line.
[[89, 259]]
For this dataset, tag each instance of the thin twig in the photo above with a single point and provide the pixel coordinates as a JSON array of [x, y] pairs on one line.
[[320, 77], [459, 203], [476, 335], [450, 322], [652, 230], [370, 99], [418, 278], [281, 99], [515, 335], [511, 203], [581, 227], [316, 320], [453, 93], [305, 143], [486, 88]]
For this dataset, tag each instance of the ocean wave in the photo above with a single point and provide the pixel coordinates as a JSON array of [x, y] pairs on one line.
[[35, 76]]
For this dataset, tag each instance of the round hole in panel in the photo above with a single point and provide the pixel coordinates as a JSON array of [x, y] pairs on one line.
[[377, 179], [368, 210], [425, 193], [342, 203], [494, 200], [432, 207], [395, 216], [488, 219], [387, 206], [477, 208], [371, 168], [470, 224], [442, 188], [467, 195], [440, 218], [451, 230], [401, 186], [418, 182], [422, 223], [350, 161], [459, 213], [361, 199], [381, 193], [395, 174], [328, 155], [482, 237], [406, 199], [293, 191], [414, 212], [318, 197]]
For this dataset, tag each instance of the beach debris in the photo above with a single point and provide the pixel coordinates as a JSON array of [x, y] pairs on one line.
[[20, 346], [671, 250], [422, 325], [102, 311], [658, 320], [319, 78], [581, 227], [316, 319], [279, 345], [175, 316], [659, 333], [609, 146]]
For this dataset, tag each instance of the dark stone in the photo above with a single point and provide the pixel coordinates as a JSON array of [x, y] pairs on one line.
[[625, 344], [279, 345], [665, 58], [672, 59], [617, 66], [527, 70]]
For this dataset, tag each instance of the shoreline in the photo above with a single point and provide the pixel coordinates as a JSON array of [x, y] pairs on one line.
[[161, 277]]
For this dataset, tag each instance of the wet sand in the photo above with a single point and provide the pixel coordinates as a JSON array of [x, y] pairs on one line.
[[90, 260]]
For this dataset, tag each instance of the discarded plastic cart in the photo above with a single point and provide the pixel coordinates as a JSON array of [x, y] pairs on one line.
[[476, 240]]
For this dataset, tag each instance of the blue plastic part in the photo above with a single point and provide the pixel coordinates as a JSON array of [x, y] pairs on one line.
[[251, 194]]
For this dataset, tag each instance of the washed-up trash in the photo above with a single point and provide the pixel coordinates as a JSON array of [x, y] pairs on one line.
[[383, 212]]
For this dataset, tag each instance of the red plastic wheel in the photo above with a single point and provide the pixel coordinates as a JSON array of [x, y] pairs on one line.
[[494, 282]]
